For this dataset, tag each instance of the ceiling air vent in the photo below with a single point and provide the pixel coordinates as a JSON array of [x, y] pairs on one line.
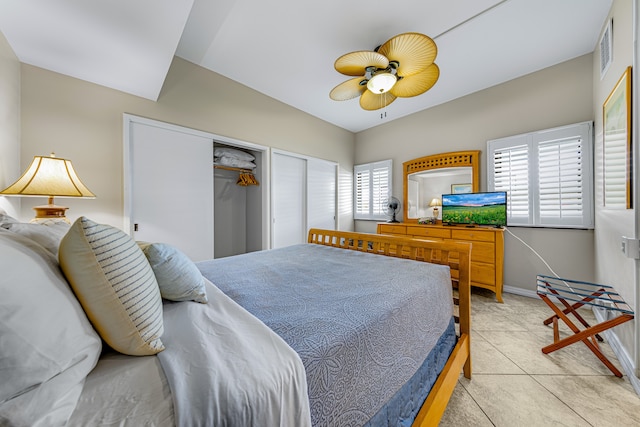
[[606, 48]]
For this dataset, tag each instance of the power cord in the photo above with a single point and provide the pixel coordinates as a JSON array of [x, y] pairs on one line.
[[534, 251]]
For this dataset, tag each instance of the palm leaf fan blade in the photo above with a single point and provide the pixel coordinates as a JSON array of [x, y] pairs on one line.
[[416, 84], [372, 101], [356, 63], [348, 90], [413, 51]]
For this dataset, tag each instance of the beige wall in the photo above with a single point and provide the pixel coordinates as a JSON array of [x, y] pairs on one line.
[[611, 266], [551, 97], [9, 124], [83, 122]]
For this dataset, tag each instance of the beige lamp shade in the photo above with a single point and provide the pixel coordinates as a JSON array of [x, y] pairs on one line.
[[435, 202], [49, 176]]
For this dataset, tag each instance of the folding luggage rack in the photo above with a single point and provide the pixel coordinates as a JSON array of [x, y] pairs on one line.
[[582, 293]]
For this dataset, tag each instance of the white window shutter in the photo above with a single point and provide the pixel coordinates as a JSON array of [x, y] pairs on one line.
[[560, 176], [615, 170], [548, 176], [511, 174], [362, 191], [380, 189], [509, 159], [372, 188]]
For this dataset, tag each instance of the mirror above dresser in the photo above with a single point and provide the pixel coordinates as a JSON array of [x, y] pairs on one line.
[[429, 177]]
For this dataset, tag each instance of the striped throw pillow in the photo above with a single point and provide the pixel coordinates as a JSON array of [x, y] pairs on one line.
[[115, 285]]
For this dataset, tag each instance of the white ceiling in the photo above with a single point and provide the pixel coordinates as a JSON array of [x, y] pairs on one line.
[[286, 48]]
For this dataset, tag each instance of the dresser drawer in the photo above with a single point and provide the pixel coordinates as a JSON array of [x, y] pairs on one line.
[[487, 248], [392, 229], [480, 235], [483, 252], [483, 273], [419, 232]]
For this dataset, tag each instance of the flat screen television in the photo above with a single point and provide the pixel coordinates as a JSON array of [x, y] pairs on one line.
[[475, 208]]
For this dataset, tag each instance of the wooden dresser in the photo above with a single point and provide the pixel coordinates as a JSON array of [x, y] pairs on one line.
[[487, 248]]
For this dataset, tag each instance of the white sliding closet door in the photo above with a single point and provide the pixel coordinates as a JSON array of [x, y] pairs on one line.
[[303, 197], [289, 194], [172, 188], [321, 194]]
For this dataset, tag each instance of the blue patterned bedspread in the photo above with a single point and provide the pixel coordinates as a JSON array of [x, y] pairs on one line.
[[361, 332]]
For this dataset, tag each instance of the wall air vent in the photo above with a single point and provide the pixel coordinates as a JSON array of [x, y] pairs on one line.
[[606, 48]]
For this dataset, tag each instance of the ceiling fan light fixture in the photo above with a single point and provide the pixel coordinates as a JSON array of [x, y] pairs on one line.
[[381, 83], [401, 67]]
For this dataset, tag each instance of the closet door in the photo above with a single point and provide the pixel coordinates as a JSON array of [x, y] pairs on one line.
[[321, 194], [303, 197], [288, 196], [172, 188]]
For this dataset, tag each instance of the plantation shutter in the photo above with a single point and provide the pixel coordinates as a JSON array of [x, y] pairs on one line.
[[560, 174], [615, 169], [548, 176], [362, 192], [511, 174], [380, 189], [372, 188], [509, 160]]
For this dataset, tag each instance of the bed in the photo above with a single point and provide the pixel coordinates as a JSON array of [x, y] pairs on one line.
[[233, 349]]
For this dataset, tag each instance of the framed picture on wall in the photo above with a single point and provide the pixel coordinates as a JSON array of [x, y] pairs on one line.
[[461, 188], [616, 144]]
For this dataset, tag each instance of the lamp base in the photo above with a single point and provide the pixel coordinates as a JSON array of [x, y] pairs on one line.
[[50, 212]]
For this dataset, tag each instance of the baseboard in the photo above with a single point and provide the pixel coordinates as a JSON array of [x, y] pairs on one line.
[[623, 357], [519, 291]]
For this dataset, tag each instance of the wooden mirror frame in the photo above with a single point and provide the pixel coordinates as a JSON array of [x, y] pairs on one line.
[[453, 159]]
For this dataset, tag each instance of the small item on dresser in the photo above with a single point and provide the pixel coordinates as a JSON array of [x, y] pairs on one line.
[[427, 220]]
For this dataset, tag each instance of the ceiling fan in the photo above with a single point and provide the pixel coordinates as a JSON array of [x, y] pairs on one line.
[[401, 67]]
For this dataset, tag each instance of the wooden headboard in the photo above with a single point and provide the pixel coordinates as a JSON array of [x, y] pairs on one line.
[[454, 254]]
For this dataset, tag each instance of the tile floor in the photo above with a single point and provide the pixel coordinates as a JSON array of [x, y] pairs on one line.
[[515, 384]]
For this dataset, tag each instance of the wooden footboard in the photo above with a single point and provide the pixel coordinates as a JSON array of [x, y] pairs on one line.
[[454, 254]]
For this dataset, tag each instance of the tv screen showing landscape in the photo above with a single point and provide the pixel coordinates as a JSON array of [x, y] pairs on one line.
[[475, 208]]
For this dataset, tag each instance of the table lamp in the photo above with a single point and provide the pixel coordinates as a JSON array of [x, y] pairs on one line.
[[51, 177], [434, 204]]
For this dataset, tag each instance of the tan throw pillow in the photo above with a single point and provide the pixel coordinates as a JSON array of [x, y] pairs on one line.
[[115, 285]]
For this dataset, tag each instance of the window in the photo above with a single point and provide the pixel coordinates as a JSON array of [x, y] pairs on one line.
[[372, 188], [548, 176]]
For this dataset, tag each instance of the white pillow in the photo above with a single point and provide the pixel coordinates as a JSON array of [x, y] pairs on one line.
[[115, 285], [6, 219], [235, 163], [49, 236], [232, 152], [47, 345], [178, 277]]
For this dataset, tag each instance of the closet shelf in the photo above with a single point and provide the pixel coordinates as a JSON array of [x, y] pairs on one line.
[[230, 168]]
